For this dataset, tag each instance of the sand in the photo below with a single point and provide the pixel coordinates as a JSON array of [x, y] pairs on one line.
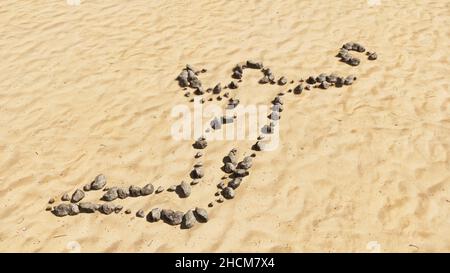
[[88, 89]]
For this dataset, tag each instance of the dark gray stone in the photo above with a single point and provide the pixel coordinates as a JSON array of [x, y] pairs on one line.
[[147, 189], [110, 195], [188, 220], [140, 213], [235, 183], [246, 163], [298, 89], [228, 193], [65, 197], [201, 215], [123, 193], [99, 182], [184, 189], [77, 196], [216, 124], [282, 81], [135, 191], [200, 143], [154, 215], [233, 85], [87, 207], [229, 167], [373, 56], [254, 65], [107, 208], [217, 89], [172, 217]]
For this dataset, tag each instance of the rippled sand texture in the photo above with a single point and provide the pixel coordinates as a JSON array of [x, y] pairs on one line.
[[88, 89]]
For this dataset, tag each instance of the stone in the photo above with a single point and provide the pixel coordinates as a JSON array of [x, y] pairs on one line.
[[87, 187], [246, 163], [325, 85], [240, 173], [321, 78], [188, 220], [228, 193], [118, 208], [235, 183], [200, 143], [298, 89], [254, 65], [48, 208], [197, 173], [308, 87], [311, 80], [198, 155], [107, 208], [65, 197], [227, 119], [190, 68], [66, 209], [154, 215], [195, 182], [278, 99], [128, 211], [201, 215], [233, 85], [266, 129], [123, 193], [147, 189], [140, 213], [259, 146], [220, 200], [196, 83], [221, 185], [172, 188], [349, 80], [373, 56], [87, 207], [282, 81], [232, 103], [77, 196], [238, 68], [135, 191], [199, 91], [172, 217], [99, 182], [332, 78], [184, 189], [354, 61], [274, 115], [264, 80], [216, 124], [211, 204], [217, 89], [237, 75], [342, 52], [229, 167], [159, 189], [231, 157], [339, 81], [348, 46], [51, 200], [110, 195], [358, 47]]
